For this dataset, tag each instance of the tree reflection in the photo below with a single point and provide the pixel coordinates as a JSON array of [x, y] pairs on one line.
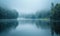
[[6, 25], [43, 24], [55, 27]]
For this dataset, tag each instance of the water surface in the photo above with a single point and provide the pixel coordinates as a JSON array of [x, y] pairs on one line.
[[25, 28]]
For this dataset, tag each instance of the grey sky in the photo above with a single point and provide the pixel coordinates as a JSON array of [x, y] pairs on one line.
[[28, 6]]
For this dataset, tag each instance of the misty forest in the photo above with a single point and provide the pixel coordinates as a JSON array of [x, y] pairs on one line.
[[29, 17]]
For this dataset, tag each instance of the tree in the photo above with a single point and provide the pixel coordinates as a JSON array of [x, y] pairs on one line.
[[56, 12], [8, 14], [56, 18]]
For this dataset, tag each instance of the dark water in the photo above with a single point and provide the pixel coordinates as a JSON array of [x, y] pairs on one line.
[[26, 28]]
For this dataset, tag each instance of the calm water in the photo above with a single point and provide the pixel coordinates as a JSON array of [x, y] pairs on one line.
[[25, 28]]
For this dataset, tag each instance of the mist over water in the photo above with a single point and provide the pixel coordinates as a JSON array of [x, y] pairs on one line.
[[29, 17]]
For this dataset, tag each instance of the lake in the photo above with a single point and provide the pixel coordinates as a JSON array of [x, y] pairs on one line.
[[26, 28]]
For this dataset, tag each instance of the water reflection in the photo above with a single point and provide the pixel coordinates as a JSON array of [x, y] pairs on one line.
[[43, 24], [29, 27], [6, 25], [55, 28]]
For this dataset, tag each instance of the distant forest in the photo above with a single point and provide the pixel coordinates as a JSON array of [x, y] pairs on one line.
[[8, 14]]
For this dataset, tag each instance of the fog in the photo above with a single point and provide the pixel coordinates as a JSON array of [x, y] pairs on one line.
[[27, 6]]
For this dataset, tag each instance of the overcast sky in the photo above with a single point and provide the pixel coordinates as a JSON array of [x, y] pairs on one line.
[[28, 6]]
